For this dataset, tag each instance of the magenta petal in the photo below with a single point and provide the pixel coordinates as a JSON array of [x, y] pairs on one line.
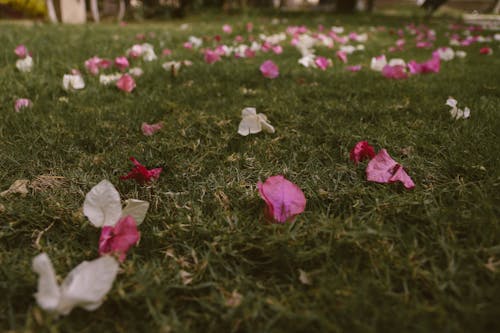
[[269, 69], [120, 238], [284, 199]]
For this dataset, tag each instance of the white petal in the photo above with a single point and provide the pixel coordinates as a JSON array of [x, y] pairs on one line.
[[397, 62], [266, 127], [66, 81], [48, 294], [451, 102], [77, 82], [466, 113], [87, 284], [460, 114], [102, 205], [249, 125], [137, 209], [248, 112], [454, 112]]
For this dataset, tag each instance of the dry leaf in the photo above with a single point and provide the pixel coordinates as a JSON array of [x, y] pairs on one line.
[[186, 277], [44, 182], [20, 186], [304, 278], [2, 208], [492, 265], [234, 300]]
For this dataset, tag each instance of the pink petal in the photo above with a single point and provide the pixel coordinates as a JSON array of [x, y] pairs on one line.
[[227, 28], [21, 51], [150, 129], [394, 72], [269, 69], [342, 56], [362, 150], [211, 56], [121, 63], [22, 103], [284, 199], [126, 83], [355, 68], [322, 63], [383, 169]]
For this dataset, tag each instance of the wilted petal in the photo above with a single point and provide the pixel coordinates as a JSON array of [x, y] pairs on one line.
[[25, 64], [284, 199], [22, 103], [21, 51], [362, 150], [120, 238]]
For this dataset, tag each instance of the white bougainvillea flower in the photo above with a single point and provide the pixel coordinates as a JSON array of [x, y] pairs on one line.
[[195, 42], [173, 67], [397, 62], [73, 81], [85, 286], [461, 54], [445, 53], [148, 52], [455, 112], [25, 65], [378, 63], [253, 122], [109, 79], [102, 206], [307, 61]]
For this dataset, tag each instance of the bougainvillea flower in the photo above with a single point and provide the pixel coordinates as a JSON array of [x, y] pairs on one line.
[[378, 63], [342, 56], [73, 81], [92, 65], [102, 206], [119, 238], [150, 129], [126, 83], [394, 72], [136, 71], [362, 150], [25, 65], [269, 69], [121, 63], [307, 60], [430, 66], [445, 53], [141, 174], [21, 51], [227, 29], [22, 103], [355, 68], [486, 51], [322, 63], [211, 56], [85, 286], [455, 112], [108, 79], [249, 27], [253, 122], [383, 169], [135, 51], [284, 199]]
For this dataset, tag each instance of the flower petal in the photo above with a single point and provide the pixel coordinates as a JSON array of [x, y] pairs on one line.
[[48, 293], [137, 209], [102, 205]]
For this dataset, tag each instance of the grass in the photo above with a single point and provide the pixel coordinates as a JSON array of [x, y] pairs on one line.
[[379, 258]]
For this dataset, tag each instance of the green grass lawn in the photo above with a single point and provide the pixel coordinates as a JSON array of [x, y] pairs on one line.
[[378, 257]]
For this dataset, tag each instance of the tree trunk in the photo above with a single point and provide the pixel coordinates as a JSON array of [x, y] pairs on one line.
[[95, 10], [369, 5], [121, 11], [51, 11]]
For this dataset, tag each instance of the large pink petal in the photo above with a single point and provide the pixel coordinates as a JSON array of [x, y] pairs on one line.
[[401, 176], [285, 200], [380, 168]]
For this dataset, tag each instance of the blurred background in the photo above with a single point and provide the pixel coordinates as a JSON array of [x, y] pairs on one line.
[[137, 10]]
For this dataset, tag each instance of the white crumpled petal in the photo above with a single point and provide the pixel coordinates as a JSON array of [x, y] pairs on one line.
[[378, 63], [397, 62], [102, 205], [85, 286], [137, 209], [48, 293], [109, 79], [451, 102], [307, 61], [71, 81], [253, 123], [25, 65], [466, 113]]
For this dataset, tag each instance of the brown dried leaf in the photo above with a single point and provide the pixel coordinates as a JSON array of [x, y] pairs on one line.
[[304, 278], [20, 186], [186, 277]]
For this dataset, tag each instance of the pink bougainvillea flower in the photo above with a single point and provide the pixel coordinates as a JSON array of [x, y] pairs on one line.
[[166, 52], [383, 169], [355, 68], [21, 51], [249, 27], [119, 238], [121, 63], [211, 56], [126, 83], [150, 129], [284, 199], [362, 150], [486, 51], [277, 49], [394, 72], [135, 51], [430, 66], [22, 103], [227, 29], [322, 63], [342, 56], [141, 174], [94, 64], [269, 69]]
